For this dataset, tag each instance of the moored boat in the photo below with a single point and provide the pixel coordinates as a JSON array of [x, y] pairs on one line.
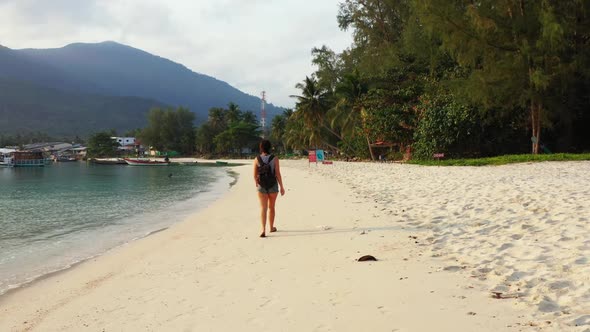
[[28, 159], [108, 161], [65, 159], [6, 162], [145, 162], [6, 159]]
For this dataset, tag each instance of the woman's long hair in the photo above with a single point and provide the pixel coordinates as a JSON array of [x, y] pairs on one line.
[[265, 146]]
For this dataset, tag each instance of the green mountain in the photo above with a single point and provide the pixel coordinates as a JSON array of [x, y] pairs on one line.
[[27, 107], [127, 79]]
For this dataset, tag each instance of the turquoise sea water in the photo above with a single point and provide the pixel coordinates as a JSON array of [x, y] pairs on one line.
[[53, 217]]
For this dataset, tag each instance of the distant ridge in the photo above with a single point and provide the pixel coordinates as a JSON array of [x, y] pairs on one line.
[[26, 107], [107, 70], [117, 69], [16, 65]]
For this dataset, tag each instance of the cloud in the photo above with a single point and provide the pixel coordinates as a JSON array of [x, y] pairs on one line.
[[43, 12], [254, 45]]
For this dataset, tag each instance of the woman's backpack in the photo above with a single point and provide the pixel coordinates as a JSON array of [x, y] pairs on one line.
[[266, 176]]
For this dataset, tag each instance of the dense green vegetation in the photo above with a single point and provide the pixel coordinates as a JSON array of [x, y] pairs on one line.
[[169, 130], [506, 159], [101, 145], [228, 131], [464, 78]]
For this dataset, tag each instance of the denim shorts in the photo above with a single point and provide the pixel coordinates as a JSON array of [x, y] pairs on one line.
[[271, 190]]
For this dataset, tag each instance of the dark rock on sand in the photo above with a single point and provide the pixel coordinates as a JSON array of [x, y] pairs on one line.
[[366, 258]]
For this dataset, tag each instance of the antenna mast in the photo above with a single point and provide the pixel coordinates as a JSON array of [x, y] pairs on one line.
[[263, 114]]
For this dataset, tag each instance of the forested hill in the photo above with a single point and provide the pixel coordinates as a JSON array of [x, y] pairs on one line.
[[122, 70], [27, 107], [113, 69], [15, 65]]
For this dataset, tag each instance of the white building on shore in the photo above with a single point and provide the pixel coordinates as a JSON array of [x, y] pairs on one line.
[[124, 141]]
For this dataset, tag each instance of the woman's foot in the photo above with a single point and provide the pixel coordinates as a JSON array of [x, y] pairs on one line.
[[273, 229], [262, 234]]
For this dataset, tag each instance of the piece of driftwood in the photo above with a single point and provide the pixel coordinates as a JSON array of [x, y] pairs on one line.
[[500, 295]]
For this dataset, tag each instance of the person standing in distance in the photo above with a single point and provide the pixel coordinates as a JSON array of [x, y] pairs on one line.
[[267, 176]]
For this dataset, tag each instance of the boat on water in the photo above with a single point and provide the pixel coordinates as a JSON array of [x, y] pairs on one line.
[[108, 161], [23, 159], [145, 162], [65, 159], [6, 159], [6, 162]]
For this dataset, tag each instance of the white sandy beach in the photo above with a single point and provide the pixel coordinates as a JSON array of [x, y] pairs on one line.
[[446, 238]]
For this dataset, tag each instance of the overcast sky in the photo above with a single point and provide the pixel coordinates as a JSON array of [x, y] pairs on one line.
[[253, 45]]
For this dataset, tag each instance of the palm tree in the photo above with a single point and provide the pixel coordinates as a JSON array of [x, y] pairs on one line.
[[249, 117], [297, 134], [347, 112], [312, 105], [277, 129], [217, 119], [233, 113], [287, 113]]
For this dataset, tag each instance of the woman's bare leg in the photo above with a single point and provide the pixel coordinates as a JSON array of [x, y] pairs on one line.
[[272, 198], [263, 207]]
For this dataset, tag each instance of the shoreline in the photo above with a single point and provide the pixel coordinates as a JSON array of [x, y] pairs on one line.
[[28, 283], [212, 272], [74, 265], [218, 189]]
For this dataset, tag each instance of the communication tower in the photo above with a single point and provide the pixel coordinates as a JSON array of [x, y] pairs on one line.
[[263, 113]]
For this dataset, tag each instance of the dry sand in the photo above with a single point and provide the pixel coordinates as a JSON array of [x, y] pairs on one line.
[[446, 238], [521, 230]]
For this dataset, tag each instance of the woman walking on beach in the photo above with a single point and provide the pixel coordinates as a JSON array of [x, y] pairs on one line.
[[267, 175]]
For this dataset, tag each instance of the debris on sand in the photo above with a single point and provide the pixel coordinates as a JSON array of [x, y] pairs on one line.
[[366, 258], [500, 295]]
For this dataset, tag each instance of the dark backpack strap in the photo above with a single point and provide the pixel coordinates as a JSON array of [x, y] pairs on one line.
[[272, 170], [260, 162]]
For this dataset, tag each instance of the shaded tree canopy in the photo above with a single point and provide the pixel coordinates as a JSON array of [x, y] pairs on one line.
[[461, 77], [170, 130], [228, 131], [101, 145]]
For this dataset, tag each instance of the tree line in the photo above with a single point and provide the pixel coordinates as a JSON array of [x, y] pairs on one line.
[[227, 131], [462, 77], [30, 137]]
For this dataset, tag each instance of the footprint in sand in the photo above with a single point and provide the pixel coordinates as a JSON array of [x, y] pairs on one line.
[[484, 270], [453, 268], [582, 321], [516, 276], [548, 305], [560, 285]]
